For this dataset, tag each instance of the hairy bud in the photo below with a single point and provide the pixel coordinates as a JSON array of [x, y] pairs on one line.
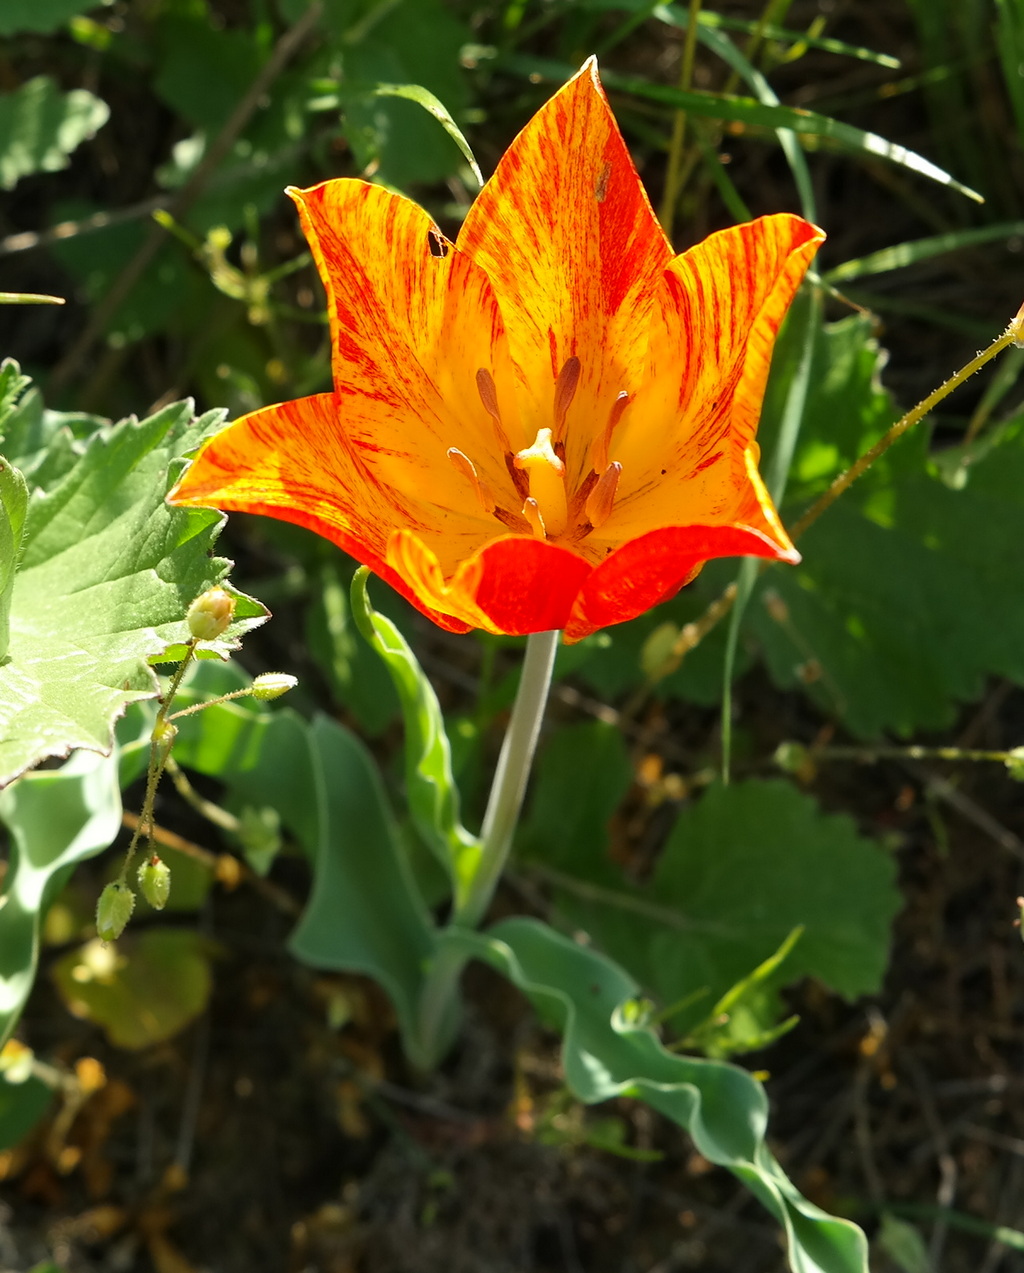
[[114, 910], [209, 615]]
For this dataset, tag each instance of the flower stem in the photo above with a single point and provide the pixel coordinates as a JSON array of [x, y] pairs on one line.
[[437, 1000], [510, 777]]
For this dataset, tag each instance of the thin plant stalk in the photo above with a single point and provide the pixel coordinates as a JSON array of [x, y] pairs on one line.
[[437, 1001], [511, 775], [675, 175]]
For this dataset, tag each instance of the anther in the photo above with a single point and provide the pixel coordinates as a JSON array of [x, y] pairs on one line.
[[464, 465], [565, 391], [531, 511], [602, 497], [488, 392], [602, 443]]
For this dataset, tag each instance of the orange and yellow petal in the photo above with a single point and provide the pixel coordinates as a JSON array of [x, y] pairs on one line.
[[413, 321], [566, 234], [513, 586], [683, 442], [649, 570]]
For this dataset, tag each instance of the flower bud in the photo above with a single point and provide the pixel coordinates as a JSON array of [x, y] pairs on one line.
[[155, 882], [1015, 764], [164, 734], [791, 757], [209, 615], [270, 685], [114, 910]]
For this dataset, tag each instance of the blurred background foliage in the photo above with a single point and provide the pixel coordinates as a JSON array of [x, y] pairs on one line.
[[144, 148]]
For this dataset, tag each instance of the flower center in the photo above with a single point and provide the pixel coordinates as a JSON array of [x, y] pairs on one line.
[[538, 472], [545, 473]]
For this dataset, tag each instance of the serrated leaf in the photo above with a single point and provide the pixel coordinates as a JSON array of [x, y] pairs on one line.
[[904, 601], [40, 127], [742, 867], [57, 818], [604, 1055], [13, 506], [107, 572]]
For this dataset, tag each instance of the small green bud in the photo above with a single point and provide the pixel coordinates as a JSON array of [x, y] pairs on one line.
[[155, 882], [792, 758], [114, 910], [164, 734], [270, 685], [209, 615], [1015, 764]]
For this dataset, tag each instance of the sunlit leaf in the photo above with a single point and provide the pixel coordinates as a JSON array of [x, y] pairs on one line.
[[40, 127]]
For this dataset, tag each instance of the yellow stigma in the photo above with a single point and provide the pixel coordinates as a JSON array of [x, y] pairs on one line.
[[546, 474]]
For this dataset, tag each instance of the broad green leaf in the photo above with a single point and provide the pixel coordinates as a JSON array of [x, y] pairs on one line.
[[41, 15], [904, 602], [56, 818], [40, 127], [606, 1053], [364, 914], [143, 990], [203, 71], [746, 110], [22, 1105], [13, 506], [743, 866], [430, 788], [106, 574]]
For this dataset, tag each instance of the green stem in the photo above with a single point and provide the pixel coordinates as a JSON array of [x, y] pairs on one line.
[[510, 777], [676, 175], [437, 1001]]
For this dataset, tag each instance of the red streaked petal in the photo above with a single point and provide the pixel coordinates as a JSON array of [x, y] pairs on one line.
[[409, 330], [514, 586], [290, 462], [653, 568], [566, 234], [682, 443]]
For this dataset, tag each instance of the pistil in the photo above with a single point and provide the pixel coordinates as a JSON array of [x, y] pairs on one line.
[[546, 474]]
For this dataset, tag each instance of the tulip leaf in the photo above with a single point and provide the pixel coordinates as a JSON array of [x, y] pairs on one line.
[[742, 867], [105, 573], [364, 913], [56, 818], [423, 97], [608, 1051], [902, 605], [40, 127], [430, 787]]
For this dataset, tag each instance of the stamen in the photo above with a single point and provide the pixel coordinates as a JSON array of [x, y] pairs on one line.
[[488, 392], [485, 387], [602, 497], [547, 480], [601, 444], [531, 511], [464, 465], [565, 391]]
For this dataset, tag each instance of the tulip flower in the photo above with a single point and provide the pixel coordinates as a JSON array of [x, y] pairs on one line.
[[548, 423]]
